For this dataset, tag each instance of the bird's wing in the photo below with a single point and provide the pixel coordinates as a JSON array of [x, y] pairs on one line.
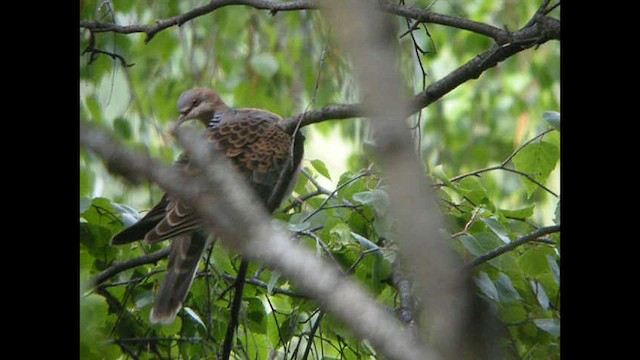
[[138, 230], [259, 149]]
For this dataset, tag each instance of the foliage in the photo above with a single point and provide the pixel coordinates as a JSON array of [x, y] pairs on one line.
[[254, 59]]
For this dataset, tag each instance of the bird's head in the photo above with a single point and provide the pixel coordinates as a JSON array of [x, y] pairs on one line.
[[199, 104]]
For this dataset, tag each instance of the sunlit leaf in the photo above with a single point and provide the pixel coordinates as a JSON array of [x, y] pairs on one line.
[[485, 284], [537, 160], [497, 228], [523, 213], [506, 290], [321, 168], [265, 64], [553, 118], [552, 326]]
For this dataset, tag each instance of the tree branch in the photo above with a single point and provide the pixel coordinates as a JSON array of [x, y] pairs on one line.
[[501, 36], [514, 244], [539, 30], [118, 267], [544, 29], [264, 285], [152, 30]]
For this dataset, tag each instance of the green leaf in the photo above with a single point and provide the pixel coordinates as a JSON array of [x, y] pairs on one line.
[[299, 227], [256, 315], [122, 127], [85, 202], [94, 329], [505, 288], [553, 118], [486, 286], [265, 64], [513, 313], [101, 212], [556, 213], [94, 107], [194, 316], [364, 242], [473, 189], [301, 184], [523, 213], [497, 228], [340, 234], [273, 280], [87, 179], [289, 327], [438, 172], [555, 269], [170, 329], [480, 243], [541, 295], [534, 261], [377, 198], [537, 160], [321, 168], [144, 299], [552, 326]]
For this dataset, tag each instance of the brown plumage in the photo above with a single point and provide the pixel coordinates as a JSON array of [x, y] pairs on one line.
[[266, 156]]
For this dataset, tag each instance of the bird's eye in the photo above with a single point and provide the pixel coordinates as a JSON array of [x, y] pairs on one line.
[[194, 102]]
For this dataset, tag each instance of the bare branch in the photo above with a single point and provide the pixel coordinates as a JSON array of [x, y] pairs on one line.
[[152, 30], [514, 244], [264, 285], [118, 267], [507, 44], [547, 29], [501, 36]]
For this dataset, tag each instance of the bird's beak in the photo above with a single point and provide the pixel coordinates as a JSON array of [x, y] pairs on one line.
[[182, 119]]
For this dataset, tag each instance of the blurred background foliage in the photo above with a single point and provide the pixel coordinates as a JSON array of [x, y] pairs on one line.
[[289, 63]]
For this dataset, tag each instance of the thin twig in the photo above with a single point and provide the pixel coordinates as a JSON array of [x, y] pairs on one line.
[[179, 20], [310, 341], [419, 15], [503, 166], [510, 157], [514, 244], [467, 226], [118, 267], [553, 7], [262, 284], [366, 172]]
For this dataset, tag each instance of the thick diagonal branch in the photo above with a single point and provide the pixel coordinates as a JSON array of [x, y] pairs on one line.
[[229, 208]]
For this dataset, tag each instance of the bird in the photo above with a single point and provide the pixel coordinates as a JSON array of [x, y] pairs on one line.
[[266, 156]]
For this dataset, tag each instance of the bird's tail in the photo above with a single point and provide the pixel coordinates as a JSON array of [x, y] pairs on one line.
[[184, 256]]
